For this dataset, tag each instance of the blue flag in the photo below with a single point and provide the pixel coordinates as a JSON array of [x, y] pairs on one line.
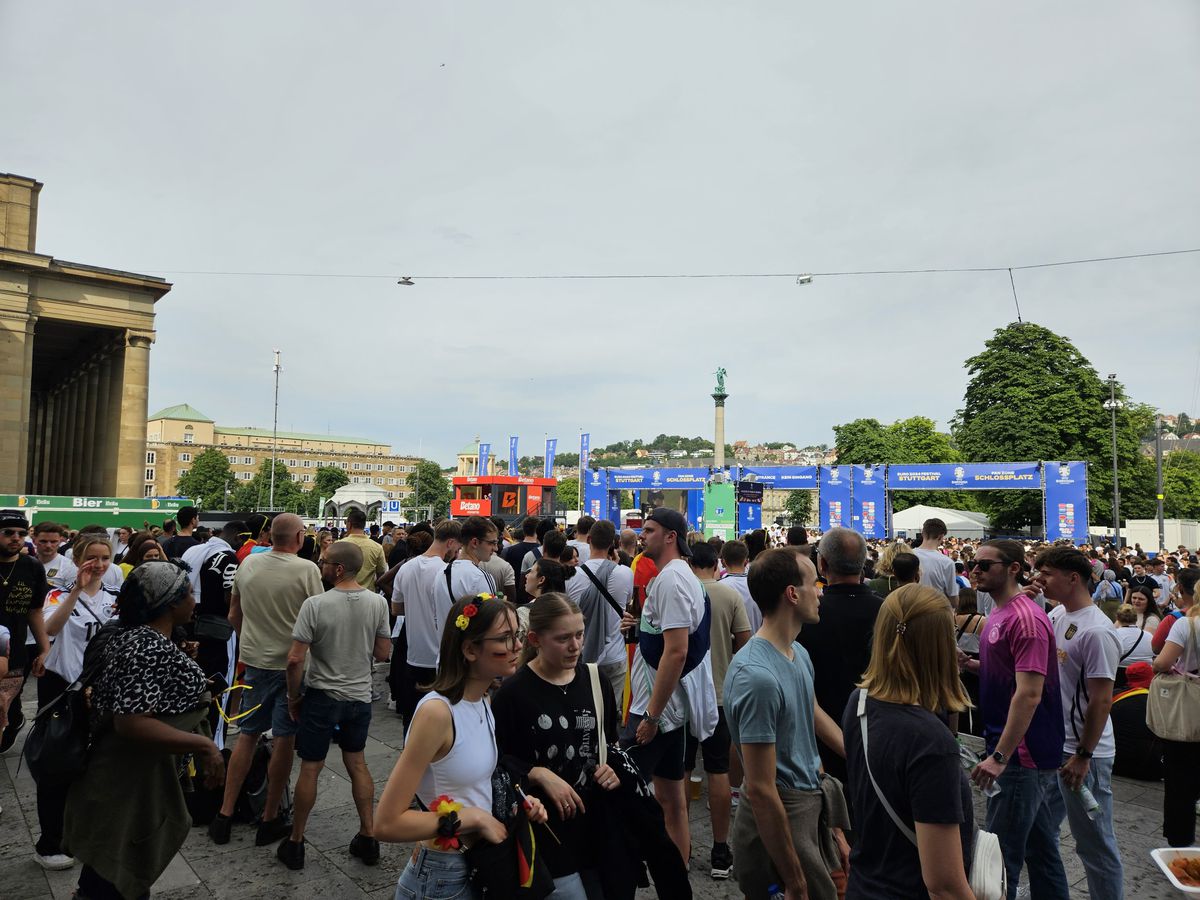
[[585, 446], [485, 451], [512, 456], [548, 469]]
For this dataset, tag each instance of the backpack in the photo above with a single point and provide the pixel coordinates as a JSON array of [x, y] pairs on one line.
[[58, 742], [252, 799]]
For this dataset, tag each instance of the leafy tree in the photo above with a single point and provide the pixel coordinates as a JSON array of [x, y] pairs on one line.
[[206, 479], [1183, 424], [912, 440], [430, 488], [1181, 485], [566, 494], [256, 493], [1033, 396], [798, 507], [328, 479]]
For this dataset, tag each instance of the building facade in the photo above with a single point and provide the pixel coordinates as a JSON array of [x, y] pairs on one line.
[[74, 363], [176, 435]]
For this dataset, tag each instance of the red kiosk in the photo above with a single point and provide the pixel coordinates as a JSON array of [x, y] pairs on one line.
[[511, 497]]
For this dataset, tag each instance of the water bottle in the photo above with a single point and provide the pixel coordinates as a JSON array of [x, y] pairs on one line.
[[992, 789], [1091, 806]]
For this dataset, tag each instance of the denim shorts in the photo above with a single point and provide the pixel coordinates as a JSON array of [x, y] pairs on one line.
[[267, 689], [319, 713], [435, 875]]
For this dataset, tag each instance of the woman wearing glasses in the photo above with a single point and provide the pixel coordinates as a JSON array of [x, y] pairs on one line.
[[450, 754]]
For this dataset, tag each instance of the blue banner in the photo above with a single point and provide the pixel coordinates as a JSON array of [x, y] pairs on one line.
[[783, 477], [695, 510], [835, 497], [1066, 501], [585, 446], [870, 502], [595, 490], [485, 451], [614, 508], [548, 467], [657, 479], [1026, 476], [749, 517], [512, 456]]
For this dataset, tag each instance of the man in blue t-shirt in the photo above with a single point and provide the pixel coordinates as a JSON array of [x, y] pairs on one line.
[[774, 723]]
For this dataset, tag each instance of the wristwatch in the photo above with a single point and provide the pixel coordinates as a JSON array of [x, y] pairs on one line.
[[1000, 757], [1083, 754], [656, 721]]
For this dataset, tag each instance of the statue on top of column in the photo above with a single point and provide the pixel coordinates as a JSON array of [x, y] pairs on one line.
[[720, 373]]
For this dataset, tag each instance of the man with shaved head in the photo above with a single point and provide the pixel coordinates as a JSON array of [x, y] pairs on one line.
[[268, 591]]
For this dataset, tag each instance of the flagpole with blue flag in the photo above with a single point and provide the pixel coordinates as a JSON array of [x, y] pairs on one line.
[[485, 451], [512, 455], [585, 451], [548, 468]]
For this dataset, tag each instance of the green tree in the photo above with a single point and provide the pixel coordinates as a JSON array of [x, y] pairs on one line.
[[863, 441], [1033, 396], [206, 479], [1183, 424], [256, 493], [798, 507], [1181, 485], [430, 488], [328, 479], [566, 494]]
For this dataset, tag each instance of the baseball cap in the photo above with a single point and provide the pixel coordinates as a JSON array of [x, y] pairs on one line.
[[671, 520], [13, 518]]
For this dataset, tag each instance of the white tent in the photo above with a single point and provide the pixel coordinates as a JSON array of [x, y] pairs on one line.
[[959, 522]]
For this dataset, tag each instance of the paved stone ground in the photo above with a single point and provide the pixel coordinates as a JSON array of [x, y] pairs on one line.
[[241, 870]]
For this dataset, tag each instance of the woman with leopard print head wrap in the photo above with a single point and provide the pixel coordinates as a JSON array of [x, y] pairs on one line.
[[126, 816]]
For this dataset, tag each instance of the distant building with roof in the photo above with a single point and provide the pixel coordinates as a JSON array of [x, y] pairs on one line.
[[177, 434]]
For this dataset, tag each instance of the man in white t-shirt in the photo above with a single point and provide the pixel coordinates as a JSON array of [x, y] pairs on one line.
[[417, 596], [937, 569], [603, 642], [583, 528], [1088, 652], [672, 681]]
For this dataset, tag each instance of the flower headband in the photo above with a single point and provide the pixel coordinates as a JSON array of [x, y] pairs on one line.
[[471, 609]]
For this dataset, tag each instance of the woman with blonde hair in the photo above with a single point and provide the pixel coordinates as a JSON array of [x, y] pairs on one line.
[[900, 754], [886, 582]]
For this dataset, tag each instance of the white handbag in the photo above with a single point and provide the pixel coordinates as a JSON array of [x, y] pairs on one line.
[[987, 877], [598, 700]]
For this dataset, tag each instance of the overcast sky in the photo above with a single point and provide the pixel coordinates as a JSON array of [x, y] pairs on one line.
[[548, 138]]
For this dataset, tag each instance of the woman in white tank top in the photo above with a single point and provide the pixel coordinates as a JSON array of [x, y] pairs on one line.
[[450, 751]]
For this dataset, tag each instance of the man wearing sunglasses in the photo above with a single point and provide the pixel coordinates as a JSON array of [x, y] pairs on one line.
[[22, 593], [1022, 723]]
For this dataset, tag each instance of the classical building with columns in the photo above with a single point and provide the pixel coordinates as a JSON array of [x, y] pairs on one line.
[[74, 363]]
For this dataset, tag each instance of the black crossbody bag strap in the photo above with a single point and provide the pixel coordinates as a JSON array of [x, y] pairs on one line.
[[603, 590]]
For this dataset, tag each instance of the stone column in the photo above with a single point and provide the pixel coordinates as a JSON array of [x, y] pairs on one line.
[[135, 393], [73, 436], [719, 429], [107, 423], [90, 376], [16, 368]]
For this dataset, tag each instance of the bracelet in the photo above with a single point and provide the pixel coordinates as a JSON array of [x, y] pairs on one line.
[[448, 823], [656, 721]]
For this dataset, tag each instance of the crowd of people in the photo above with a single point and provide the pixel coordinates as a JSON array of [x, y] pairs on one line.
[[558, 688]]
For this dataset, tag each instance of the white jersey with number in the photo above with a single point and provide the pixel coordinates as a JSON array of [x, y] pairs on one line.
[[90, 612]]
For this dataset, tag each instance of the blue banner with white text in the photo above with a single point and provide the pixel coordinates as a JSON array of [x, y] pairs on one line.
[[870, 502], [749, 517], [485, 451], [1024, 476], [585, 447], [657, 479], [548, 467], [595, 491], [512, 456], [835, 497], [1066, 501], [782, 477]]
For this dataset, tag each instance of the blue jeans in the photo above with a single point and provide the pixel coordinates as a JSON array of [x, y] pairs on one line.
[[435, 875], [1095, 841], [578, 886], [1022, 818]]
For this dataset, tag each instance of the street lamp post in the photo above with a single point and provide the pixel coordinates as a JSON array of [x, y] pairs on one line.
[[1112, 404]]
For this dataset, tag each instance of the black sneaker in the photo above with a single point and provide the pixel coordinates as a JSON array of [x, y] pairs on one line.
[[270, 832], [291, 854], [722, 862], [16, 721], [365, 848], [219, 829]]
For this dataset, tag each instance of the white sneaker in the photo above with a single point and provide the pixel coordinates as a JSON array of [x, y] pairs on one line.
[[54, 861]]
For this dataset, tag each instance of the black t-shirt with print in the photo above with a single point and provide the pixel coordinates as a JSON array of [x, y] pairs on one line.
[[544, 724], [22, 588], [216, 580], [915, 761]]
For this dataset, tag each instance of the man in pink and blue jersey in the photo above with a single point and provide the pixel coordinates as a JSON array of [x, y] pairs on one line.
[[1022, 723]]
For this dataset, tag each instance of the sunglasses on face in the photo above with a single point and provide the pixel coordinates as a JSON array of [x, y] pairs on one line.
[[14, 532], [983, 564]]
